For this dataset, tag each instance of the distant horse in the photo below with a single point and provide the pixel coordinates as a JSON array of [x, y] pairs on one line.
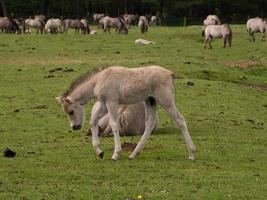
[[130, 19], [53, 26], [115, 86], [153, 21], [74, 24], [255, 25], [218, 31], [117, 23], [211, 20], [38, 24], [97, 17], [9, 25], [40, 17], [131, 118], [143, 24], [86, 25]]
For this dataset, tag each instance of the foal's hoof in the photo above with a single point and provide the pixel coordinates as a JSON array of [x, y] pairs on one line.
[[101, 155], [191, 157]]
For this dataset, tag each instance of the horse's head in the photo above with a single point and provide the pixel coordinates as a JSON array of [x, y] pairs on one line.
[[74, 111]]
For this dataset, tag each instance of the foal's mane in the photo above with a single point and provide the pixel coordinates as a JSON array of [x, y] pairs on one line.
[[81, 79]]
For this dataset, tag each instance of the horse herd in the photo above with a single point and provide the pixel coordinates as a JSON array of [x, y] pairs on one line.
[[56, 25], [212, 27]]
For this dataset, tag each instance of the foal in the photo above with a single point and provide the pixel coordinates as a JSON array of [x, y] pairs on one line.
[[115, 86]]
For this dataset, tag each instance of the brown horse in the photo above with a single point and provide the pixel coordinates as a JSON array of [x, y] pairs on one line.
[[74, 24]]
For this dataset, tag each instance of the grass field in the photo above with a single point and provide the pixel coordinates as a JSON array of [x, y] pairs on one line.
[[226, 112]]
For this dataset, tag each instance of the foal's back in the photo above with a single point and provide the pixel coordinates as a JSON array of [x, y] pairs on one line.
[[132, 85]]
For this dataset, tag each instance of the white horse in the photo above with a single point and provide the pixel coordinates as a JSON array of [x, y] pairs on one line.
[[153, 21], [255, 25], [115, 86], [218, 31], [143, 24], [37, 24], [53, 26], [131, 118]]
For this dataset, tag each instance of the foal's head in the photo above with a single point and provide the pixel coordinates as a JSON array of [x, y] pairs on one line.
[[74, 111]]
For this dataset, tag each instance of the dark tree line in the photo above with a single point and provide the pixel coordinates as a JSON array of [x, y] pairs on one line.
[[171, 11]]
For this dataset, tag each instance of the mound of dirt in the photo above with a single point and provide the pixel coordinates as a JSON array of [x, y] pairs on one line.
[[9, 153], [242, 64]]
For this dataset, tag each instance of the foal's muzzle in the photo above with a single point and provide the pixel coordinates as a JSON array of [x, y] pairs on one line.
[[76, 127]]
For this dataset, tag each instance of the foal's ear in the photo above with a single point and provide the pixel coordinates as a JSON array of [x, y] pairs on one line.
[[59, 99]]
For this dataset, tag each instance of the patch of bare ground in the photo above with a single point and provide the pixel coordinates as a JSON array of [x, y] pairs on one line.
[[262, 87], [242, 64]]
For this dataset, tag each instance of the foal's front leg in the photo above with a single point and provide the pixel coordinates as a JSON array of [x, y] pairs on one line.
[[96, 114], [113, 109]]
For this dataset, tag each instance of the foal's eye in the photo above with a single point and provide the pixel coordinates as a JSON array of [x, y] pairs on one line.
[[71, 112]]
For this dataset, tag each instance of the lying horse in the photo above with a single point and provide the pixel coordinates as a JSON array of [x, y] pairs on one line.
[[38, 24], [131, 118], [75, 24], [9, 25], [53, 26], [117, 23], [255, 25], [115, 86], [143, 24], [218, 31]]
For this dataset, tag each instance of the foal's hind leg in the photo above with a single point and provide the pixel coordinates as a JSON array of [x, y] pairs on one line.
[[151, 120], [168, 103]]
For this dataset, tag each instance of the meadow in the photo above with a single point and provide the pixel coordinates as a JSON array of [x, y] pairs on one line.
[[222, 94]]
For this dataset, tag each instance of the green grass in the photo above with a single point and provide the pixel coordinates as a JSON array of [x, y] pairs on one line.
[[226, 112]]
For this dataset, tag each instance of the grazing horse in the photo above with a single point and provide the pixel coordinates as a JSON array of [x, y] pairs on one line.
[[130, 19], [143, 24], [131, 118], [153, 21], [38, 24], [117, 23], [116, 86], [86, 25], [40, 17], [218, 31], [9, 25], [255, 25], [53, 26], [75, 24], [97, 17]]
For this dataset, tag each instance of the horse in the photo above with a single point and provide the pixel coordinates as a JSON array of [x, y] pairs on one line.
[[53, 26], [153, 20], [38, 24], [86, 25], [117, 23], [255, 25], [211, 20], [115, 86], [143, 24], [97, 17], [9, 25], [218, 31], [130, 19], [40, 17], [131, 118], [75, 24]]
